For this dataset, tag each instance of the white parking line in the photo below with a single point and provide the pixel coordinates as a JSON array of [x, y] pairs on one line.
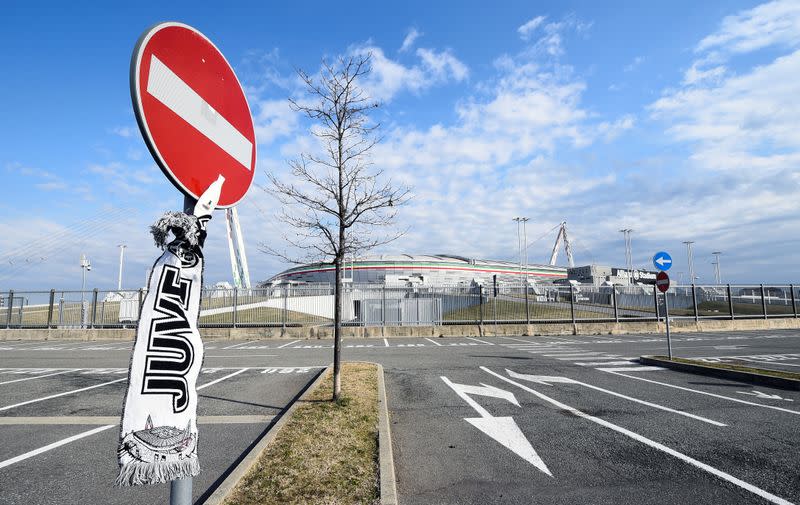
[[433, 341], [651, 443], [234, 346], [737, 400], [478, 340], [287, 344], [221, 379], [40, 376], [605, 363], [61, 394], [633, 369], [59, 443], [244, 356], [386, 342]]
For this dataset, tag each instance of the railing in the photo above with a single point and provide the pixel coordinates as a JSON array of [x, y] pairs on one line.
[[378, 305]]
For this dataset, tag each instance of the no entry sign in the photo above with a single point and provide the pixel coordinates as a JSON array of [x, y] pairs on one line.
[[662, 281], [192, 112]]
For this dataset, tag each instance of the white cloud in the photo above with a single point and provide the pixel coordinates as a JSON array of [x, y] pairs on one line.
[[274, 119], [769, 24], [528, 28], [389, 77], [408, 42], [124, 131], [633, 64]]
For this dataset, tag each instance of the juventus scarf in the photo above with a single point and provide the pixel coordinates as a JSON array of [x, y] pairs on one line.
[[158, 436]]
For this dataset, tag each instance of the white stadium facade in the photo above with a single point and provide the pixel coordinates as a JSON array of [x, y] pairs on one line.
[[427, 270]]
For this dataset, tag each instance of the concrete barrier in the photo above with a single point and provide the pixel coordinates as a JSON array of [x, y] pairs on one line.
[[470, 330]]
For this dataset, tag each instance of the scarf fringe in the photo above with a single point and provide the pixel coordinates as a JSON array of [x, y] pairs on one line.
[[139, 473], [184, 226]]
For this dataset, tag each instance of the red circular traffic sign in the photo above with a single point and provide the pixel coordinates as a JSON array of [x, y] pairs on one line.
[[192, 112], [662, 281]]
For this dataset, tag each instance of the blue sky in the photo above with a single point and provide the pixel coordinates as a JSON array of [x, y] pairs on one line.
[[678, 120]]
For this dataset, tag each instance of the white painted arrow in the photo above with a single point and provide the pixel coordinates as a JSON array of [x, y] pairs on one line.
[[507, 433], [504, 430], [764, 396], [662, 260]]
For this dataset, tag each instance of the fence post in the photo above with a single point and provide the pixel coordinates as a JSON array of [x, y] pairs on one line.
[[694, 301], [655, 301], [614, 301], [50, 308], [235, 304], [480, 293], [141, 301], [285, 290], [527, 306], [763, 302], [61, 309], [572, 304], [794, 302], [10, 301], [730, 302], [94, 307], [383, 305]]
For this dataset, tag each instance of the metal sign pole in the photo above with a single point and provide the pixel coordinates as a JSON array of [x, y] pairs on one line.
[[180, 490], [666, 315]]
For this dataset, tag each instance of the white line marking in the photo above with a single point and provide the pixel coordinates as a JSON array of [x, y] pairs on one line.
[[289, 343], [737, 400], [633, 369], [221, 379], [61, 394], [604, 356], [433, 341], [234, 346], [386, 342], [777, 363], [651, 443], [169, 89], [572, 355], [244, 356], [46, 448], [630, 398], [519, 340], [39, 376], [605, 363], [478, 340]]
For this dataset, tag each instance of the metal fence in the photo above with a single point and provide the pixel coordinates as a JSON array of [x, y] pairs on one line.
[[378, 305]]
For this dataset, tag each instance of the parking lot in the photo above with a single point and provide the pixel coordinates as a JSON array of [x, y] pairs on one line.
[[523, 419]]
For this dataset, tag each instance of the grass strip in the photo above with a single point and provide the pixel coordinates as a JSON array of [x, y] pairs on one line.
[[734, 367], [328, 451]]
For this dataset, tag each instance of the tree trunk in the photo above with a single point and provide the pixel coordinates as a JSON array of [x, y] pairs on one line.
[[337, 331]]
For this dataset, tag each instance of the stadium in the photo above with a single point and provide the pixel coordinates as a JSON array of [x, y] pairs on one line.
[[425, 270]]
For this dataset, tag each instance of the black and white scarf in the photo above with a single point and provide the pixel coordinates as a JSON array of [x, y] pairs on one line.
[[158, 434]]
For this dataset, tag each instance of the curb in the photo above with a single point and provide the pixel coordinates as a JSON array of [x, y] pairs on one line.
[[388, 482], [251, 458], [753, 378]]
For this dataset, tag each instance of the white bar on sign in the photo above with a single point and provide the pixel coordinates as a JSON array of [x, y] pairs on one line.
[[166, 87]]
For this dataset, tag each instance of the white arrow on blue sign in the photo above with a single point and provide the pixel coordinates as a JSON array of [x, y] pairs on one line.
[[662, 261]]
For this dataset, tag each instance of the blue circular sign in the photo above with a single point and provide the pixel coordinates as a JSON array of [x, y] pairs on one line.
[[662, 261]]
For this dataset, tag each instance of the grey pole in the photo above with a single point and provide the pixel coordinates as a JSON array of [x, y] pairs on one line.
[[666, 315], [180, 490], [121, 256]]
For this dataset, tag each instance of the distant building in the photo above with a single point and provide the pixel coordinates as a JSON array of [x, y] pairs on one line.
[[422, 270], [598, 275]]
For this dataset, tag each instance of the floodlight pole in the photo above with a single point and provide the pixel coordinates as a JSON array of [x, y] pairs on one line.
[[121, 257], [180, 490]]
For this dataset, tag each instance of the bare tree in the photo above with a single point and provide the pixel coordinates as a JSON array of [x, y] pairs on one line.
[[337, 204]]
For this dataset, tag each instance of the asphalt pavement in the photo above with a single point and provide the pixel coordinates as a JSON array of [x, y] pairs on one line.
[[475, 420]]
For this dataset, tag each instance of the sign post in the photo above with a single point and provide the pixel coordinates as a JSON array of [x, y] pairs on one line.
[[196, 122], [662, 282]]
